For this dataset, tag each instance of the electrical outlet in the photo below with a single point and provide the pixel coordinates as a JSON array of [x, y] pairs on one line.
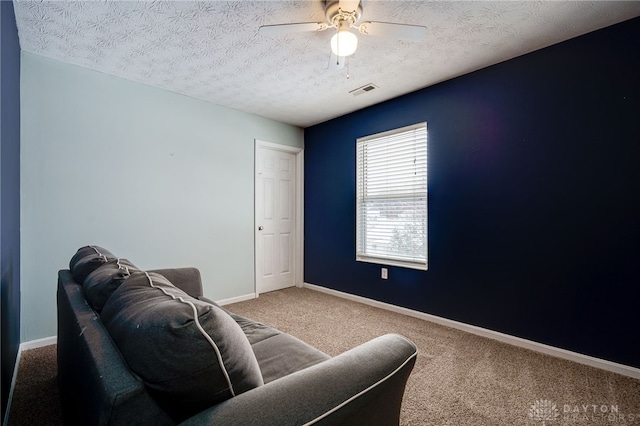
[[384, 273]]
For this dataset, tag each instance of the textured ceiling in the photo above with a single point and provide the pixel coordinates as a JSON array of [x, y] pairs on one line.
[[211, 50]]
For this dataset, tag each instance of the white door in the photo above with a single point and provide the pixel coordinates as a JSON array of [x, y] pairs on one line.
[[275, 219]]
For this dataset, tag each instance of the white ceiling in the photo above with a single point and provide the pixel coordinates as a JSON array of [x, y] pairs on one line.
[[211, 50]]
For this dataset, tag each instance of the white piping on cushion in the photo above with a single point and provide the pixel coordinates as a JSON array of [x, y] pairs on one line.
[[104, 256], [201, 330], [337, 407], [125, 268]]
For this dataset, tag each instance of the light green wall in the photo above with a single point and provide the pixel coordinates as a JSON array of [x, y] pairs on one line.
[[161, 179]]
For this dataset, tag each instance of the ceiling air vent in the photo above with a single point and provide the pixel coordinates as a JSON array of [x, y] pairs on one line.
[[364, 89]]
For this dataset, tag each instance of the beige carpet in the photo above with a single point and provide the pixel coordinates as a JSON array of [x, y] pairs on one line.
[[459, 378], [35, 397]]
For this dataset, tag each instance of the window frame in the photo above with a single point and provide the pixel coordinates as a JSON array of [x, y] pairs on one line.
[[390, 259]]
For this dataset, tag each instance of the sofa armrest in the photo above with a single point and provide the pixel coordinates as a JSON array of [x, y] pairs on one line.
[[186, 279], [364, 385], [96, 386]]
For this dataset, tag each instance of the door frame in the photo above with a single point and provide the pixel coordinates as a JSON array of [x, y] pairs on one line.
[[298, 258]]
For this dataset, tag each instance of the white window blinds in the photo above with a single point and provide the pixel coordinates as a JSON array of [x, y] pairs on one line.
[[391, 199]]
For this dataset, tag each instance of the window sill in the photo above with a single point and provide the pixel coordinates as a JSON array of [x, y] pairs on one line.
[[422, 266]]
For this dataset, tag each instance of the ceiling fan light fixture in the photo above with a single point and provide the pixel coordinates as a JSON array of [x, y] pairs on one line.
[[344, 43]]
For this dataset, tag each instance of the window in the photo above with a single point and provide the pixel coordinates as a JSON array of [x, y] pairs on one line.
[[391, 197]]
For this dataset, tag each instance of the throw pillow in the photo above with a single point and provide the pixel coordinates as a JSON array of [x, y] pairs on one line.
[[101, 283], [190, 354], [86, 260]]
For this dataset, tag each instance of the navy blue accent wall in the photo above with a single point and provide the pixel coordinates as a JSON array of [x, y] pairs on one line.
[[9, 194], [534, 197]]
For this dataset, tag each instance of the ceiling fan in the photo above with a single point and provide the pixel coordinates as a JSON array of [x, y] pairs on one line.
[[344, 15]]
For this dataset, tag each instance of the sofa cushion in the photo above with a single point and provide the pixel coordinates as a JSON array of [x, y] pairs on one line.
[[254, 330], [102, 282], [189, 353], [278, 354], [86, 260], [283, 354]]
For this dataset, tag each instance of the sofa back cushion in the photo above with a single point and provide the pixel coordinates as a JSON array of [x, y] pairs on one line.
[[102, 282], [189, 353], [86, 260]]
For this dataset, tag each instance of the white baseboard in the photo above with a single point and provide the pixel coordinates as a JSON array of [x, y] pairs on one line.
[[603, 364], [236, 299], [38, 343]]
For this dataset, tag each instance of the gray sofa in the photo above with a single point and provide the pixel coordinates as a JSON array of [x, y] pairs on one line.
[[145, 347]]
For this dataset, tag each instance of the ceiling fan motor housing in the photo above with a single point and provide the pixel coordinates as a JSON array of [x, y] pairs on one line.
[[334, 14]]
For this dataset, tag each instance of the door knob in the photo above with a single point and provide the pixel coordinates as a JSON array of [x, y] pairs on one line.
[[260, 228]]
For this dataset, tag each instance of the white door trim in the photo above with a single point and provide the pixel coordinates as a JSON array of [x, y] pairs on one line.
[[299, 203]]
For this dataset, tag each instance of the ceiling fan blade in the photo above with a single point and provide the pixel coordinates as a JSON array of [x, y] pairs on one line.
[[403, 31], [280, 29], [349, 5], [336, 62]]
